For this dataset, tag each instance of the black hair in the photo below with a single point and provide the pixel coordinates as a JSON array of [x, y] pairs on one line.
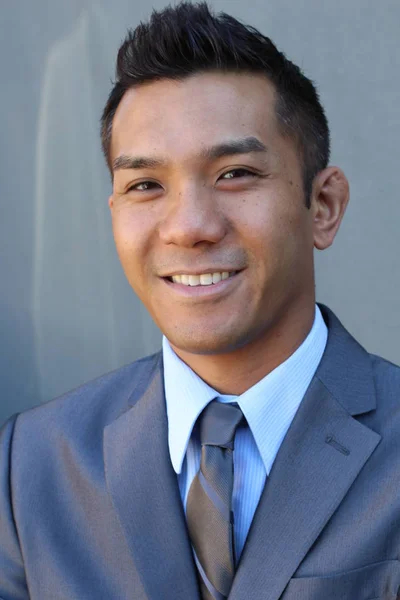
[[187, 39]]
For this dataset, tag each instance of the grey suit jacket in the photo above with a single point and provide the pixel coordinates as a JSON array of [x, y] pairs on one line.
[[90, 507]]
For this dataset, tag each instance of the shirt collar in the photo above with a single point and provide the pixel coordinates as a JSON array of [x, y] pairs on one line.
[[269, 406], [186, 395]]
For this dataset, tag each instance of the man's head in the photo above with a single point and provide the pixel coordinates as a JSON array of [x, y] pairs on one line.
[[218, 148], [188, 39]]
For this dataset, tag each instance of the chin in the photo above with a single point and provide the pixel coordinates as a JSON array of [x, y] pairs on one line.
[[201, 341]]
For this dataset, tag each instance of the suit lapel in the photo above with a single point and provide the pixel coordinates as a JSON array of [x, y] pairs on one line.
[[145, 493], [323, 452]]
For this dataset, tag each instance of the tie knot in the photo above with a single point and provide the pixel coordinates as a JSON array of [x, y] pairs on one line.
[[218, 424]]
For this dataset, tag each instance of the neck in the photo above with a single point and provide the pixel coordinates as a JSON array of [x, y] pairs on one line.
[[235, 372]]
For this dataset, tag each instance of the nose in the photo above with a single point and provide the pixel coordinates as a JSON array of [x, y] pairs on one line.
[[193, 217]]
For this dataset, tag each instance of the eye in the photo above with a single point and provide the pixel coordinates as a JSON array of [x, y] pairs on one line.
[[237, 174], [142, 186]]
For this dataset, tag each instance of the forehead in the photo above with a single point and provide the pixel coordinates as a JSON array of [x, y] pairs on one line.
[[179, 117]]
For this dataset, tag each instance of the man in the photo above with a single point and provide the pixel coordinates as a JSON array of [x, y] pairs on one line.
[[256, 456]]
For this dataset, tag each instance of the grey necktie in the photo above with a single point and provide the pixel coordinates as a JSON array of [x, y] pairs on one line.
[[209, 504]]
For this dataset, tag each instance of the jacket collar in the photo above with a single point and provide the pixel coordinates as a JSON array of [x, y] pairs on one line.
[[323, 452], [144, 490]]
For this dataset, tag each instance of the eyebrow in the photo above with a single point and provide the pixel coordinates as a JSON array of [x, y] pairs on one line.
[[240, 146]]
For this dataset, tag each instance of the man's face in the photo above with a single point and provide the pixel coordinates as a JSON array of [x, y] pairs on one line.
[[195, 206]]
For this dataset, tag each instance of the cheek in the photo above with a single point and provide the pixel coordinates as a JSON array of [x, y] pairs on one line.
[[132, 234], [264, 221], [276, 229]]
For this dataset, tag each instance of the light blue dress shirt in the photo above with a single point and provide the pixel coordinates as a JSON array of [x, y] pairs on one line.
[[269, 407]]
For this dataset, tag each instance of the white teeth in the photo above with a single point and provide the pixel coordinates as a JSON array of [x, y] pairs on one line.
[[203, 279], [194, 280], [216, 277], [206, 279]]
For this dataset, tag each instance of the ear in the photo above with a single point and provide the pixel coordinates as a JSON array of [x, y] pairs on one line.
[[110, 202], [330, 196]]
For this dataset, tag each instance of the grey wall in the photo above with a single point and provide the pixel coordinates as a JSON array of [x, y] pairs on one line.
[[67, 314]]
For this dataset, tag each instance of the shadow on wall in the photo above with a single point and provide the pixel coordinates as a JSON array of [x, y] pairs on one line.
[[78, 283]]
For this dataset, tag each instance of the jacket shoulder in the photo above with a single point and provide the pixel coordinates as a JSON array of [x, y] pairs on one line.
[[93, 404], [386, 377], [385, 418]]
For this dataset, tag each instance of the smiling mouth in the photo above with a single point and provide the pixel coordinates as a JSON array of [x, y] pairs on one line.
[[204, 279]]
